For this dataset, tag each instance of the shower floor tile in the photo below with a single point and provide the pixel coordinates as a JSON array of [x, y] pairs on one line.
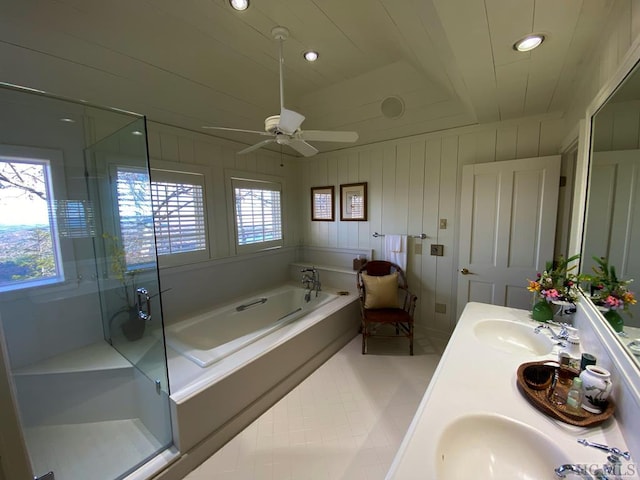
[[89, 450], [345, 421]]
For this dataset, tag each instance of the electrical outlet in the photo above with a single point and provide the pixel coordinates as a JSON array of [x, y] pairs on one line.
[[441, 308], [417, 249], [443, 224], [437, 250]]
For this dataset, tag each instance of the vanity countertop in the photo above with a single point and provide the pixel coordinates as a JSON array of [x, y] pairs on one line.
[[477, 380]]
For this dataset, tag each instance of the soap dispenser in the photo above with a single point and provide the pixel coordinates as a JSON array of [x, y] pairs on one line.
[[574, 396]]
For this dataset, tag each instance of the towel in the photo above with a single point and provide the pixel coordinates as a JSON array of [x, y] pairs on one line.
[[395, 250]]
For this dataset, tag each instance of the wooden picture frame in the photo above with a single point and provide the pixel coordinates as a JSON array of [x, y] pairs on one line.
[[353, 202], [322, 204]]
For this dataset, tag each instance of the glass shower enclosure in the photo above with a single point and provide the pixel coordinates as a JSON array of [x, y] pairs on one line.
[[80, 308]]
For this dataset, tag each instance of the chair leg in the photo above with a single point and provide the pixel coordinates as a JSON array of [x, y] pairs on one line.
[[411, 339], [363, 327]]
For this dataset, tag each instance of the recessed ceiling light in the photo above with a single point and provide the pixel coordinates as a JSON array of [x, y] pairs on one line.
[[311, 56], [137, 133], [67, 120], [528, 43], [239, 4]]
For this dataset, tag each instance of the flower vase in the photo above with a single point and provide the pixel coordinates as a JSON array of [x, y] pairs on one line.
[[615, 320], [542, 311]]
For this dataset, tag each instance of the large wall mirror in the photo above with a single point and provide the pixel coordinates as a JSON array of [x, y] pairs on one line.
[[612, 216]]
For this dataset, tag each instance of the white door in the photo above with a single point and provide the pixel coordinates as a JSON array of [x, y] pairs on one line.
[[507, 229]]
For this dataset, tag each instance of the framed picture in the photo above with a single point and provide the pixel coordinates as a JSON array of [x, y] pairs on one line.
[[322, 204], [353, 202]]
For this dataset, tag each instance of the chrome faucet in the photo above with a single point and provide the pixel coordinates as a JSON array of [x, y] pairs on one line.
[[562, 471], [615, 464], [611, 468], [561, 336], [311, 281]]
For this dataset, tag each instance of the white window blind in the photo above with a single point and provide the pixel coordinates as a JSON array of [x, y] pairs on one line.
[[136, 216], [173, 202], [258, 212], [178, 212]]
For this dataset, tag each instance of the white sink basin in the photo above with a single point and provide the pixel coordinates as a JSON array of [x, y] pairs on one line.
[[512, 337], [485, 446]]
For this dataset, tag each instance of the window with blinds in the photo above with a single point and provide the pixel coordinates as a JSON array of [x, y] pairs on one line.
[[173, 203], [258, 214]]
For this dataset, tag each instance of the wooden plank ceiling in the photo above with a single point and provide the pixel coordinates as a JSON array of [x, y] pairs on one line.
[[198, 62]]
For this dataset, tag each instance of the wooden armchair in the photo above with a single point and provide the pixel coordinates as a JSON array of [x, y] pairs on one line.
[[385, 299]]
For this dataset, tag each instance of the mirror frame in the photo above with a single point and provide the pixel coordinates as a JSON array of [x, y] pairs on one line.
[[584, 134]]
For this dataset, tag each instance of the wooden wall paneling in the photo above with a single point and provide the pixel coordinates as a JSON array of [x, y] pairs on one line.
[[388, 192], [401, 190], [506, 142], [552, 134], [375, 189], [364, 228], [343, 177], [528, 140], [153, 142], [186, 149], [353, 176], [332, 179], [415, 218], [486, 146], [449, 206], [430, 221], [169, 147]]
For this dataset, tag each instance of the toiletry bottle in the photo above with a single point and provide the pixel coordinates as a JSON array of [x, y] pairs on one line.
[[574, 396]]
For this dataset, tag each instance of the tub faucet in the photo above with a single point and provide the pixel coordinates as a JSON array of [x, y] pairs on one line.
[[311, 281]]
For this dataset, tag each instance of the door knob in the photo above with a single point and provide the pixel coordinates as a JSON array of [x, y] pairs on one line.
[[465, 271]]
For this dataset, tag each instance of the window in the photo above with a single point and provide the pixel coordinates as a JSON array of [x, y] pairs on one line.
[[258, 214], [173, 203], [29, 243]]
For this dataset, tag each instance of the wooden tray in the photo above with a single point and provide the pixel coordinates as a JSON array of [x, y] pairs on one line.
[[539, 397]]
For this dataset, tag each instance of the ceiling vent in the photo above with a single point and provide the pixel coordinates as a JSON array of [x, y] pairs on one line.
[[392, 107]]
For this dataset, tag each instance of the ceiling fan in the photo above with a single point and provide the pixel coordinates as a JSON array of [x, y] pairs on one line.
[[284, 129]]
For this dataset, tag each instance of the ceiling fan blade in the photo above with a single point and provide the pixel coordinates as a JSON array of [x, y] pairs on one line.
[[328, 136], [257, 146], [303, 147], [290, 121], [226, 129]]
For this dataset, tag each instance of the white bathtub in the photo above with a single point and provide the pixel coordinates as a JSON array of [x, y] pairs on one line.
[[212, 404], [212, 336]]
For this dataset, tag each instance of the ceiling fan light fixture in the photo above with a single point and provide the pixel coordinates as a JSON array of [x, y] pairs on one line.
[[239, 5], [529, 42], [310, 55]]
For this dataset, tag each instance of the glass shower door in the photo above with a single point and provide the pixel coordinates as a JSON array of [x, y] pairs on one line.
[[118, 181], [81, 344]]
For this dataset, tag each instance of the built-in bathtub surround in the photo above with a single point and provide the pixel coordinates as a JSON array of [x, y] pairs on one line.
[[245, 383], [213, 336]]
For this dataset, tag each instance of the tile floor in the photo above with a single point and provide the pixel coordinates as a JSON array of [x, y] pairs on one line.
[[345, 421]]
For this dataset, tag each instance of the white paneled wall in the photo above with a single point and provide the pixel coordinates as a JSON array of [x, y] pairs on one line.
[[611, 50], [412, 184], [186, 147], [617, 127]]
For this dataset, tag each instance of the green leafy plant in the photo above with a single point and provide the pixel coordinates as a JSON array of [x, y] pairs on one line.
[[607, 289], [557, 282]]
